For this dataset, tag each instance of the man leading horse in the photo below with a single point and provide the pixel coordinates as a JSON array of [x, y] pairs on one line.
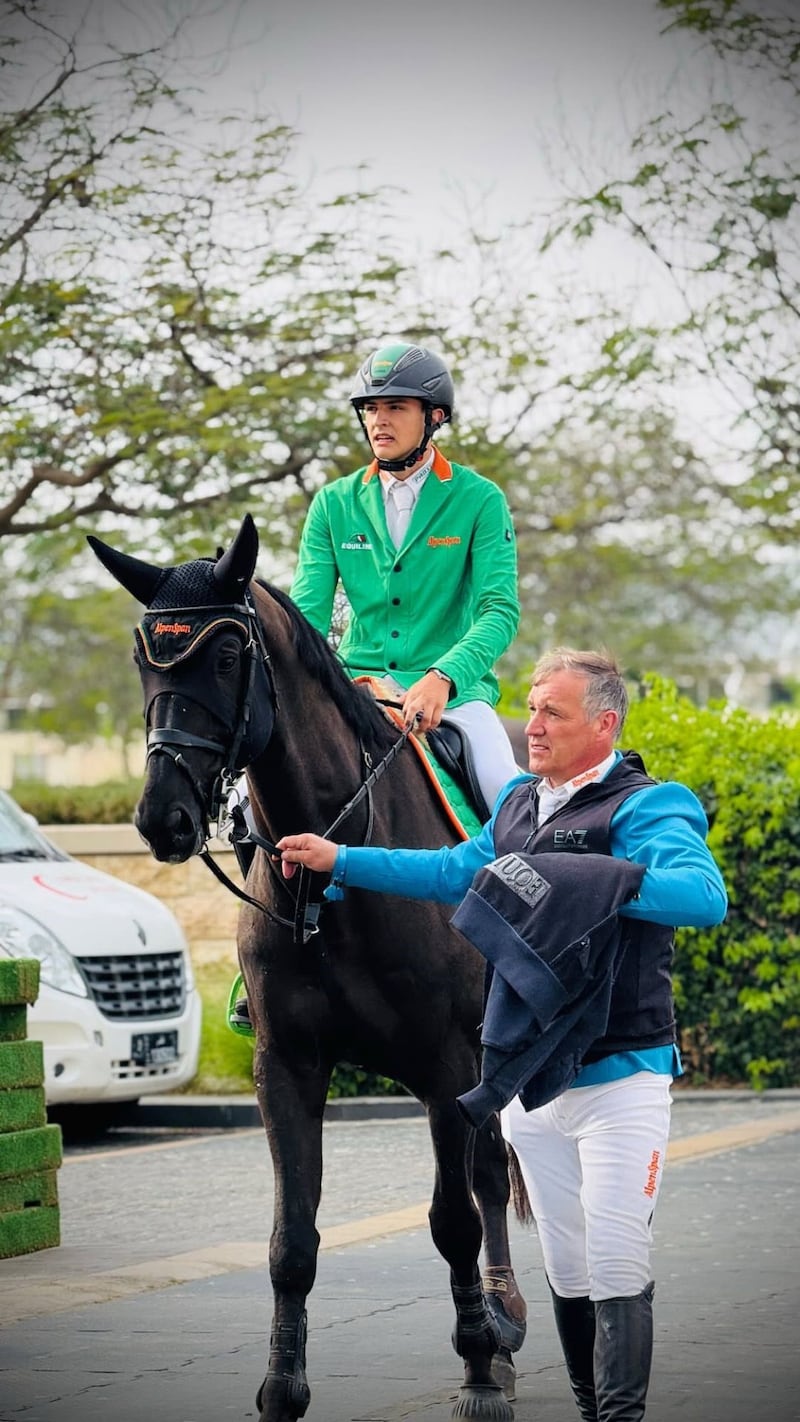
[[586, 843]]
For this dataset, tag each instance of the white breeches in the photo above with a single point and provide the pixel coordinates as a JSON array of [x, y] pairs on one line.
[[491, 749], [488, 740], [592, 1161]]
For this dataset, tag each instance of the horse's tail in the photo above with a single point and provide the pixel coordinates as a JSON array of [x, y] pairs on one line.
[[519, 1193]]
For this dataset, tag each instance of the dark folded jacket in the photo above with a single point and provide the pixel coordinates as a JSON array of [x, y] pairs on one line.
[[548, 926]]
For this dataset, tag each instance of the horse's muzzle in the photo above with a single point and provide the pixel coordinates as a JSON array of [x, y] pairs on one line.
[[174, 836]]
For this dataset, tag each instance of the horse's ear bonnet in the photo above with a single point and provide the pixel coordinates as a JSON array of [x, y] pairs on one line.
[[200, 597]]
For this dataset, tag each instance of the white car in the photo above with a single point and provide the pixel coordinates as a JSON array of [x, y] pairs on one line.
[[118, 1011]]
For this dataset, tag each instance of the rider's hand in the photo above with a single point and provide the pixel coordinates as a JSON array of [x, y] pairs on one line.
[[429, 696], [310, 850]]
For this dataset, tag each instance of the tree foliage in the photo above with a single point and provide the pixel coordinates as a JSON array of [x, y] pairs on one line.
[[709, 188], [176, 316], [179, 325]]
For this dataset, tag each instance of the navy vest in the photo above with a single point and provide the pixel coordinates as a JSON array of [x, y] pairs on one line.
[[642, 1010]]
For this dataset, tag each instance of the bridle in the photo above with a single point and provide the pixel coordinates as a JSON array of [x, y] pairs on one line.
[[163, 645]]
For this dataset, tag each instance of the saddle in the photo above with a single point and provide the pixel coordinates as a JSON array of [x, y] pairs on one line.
[[447, 749], [453, 752]]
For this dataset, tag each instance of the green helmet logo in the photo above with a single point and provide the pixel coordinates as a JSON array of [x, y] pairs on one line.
[[384, 359]]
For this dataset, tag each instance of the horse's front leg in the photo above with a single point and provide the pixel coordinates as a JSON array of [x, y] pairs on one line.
[[292, 1101], [456, 1231], [490, 1181]]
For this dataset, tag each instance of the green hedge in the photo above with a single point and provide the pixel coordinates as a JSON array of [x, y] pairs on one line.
[[110, 803], [738, 985]]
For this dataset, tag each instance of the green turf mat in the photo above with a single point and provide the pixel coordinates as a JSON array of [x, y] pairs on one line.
[[22, 1108], [23, 1231], [19, 979], [21, 1064], [20, 1192], [22, 1152], [13, 1022]]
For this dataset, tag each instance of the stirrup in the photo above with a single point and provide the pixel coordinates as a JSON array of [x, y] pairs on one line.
[[238, 1013]]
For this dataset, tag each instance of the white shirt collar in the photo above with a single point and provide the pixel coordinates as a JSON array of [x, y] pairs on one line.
[[551, 798], [414, 482]]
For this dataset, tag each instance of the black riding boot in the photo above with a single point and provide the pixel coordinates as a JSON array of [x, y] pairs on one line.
[[622, 1356], [576, 1329]]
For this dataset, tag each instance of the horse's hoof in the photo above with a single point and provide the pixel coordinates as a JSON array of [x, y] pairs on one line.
[[484, 1401], [284, 1398], [505, 1374]]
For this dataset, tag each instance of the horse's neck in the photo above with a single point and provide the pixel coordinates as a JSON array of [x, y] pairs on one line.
[[315, 765]]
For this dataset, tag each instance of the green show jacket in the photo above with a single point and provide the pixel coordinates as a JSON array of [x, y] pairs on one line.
[[447, 597]]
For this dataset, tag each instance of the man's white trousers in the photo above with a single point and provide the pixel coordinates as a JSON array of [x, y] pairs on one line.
[[592, 1161]]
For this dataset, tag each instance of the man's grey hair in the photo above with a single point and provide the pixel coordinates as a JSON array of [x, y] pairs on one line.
[[605, 688]]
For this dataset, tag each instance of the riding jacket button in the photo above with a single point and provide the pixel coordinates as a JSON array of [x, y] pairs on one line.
[[398, 568], [392, 666], [395, 602], [394, 634]]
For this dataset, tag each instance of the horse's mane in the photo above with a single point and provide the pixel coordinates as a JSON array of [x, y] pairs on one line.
[[356, 703]]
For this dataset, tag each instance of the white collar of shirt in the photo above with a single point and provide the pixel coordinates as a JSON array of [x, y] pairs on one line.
[[414, 482], [552, 797]]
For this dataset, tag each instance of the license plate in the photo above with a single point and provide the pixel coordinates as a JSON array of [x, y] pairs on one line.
[[154, 1048]]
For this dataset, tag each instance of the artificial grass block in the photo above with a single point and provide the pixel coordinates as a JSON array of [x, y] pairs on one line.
[[23, 1231], [13, 1022], [22, 1191], [21, 1064], [22, 1152], [19, 979], [22, 1109]]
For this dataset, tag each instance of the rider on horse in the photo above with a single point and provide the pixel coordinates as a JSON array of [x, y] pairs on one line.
[[425, 552]]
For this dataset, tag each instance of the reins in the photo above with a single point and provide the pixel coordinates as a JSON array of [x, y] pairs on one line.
[[306, 920]]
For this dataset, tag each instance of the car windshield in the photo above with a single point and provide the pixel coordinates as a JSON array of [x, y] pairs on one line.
[[19, 839]]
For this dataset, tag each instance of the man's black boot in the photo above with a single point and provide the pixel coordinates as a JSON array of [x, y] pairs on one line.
[[576, 1329], [623, 1353]]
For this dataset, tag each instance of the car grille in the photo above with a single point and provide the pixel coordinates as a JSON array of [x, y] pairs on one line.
[[131, 1071], [142, 985]]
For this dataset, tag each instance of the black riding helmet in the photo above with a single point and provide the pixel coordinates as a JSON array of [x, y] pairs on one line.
[[407, 372]]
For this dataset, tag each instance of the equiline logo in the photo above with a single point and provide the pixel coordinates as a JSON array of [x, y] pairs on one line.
[[520, 875], [174, 627]]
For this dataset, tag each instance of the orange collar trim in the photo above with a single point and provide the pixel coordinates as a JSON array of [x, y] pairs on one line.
[[441, 467]]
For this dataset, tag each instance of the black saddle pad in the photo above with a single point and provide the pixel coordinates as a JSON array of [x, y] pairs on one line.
[[453, 752]]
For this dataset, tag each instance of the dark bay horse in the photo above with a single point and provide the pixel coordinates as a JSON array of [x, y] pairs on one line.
[[234, 677]]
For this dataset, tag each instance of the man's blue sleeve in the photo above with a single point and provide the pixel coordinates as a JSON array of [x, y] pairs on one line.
[[443, 875], [664, 827]]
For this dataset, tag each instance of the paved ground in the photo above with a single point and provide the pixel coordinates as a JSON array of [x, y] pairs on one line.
[[157, 1303]]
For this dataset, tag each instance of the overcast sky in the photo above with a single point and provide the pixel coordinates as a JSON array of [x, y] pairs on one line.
[[460, 104], [444, 99]]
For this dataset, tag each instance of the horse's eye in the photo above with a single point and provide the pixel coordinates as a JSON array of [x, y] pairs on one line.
[[228, 659]]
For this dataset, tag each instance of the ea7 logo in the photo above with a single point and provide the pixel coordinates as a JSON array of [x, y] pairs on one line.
[[569, 839]]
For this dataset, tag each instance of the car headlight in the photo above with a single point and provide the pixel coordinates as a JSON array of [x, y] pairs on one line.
[[22, 936], [188, 971]]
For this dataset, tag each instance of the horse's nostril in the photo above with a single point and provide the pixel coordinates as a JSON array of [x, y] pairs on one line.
[[177, 822]]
